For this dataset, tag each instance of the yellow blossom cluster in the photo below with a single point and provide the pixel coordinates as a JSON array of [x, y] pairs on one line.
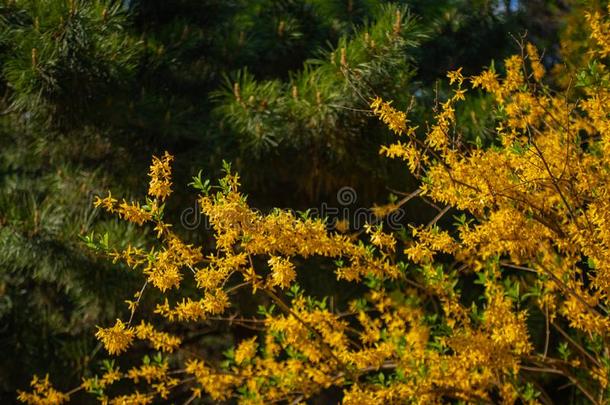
[[42, 393], [430, 241], [600, 32], [159, 340], [396, 120], [131, 212], [156, 376], [307, 347], [282, 272], [160, 177], [537, 204], [538, 69], [117, 338], [439, 138], [246, 351]]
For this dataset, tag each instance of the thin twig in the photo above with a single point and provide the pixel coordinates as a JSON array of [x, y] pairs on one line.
[[548, 331], [438, 216], [135, 306]]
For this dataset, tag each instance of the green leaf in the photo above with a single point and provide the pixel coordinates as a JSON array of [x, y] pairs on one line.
[[200, 184]]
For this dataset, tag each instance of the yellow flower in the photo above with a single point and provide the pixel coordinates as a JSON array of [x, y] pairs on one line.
[[160, 177], [132, 212], [534, 58], [132, 399], [159, 340], [148, 372], [117, 338], [110, 377], [43, 393], [455, 76], [246, 350], [396, 120], [107, 202], [282, 272], [216, 301]]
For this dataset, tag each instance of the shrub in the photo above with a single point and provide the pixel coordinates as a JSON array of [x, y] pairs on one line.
[[445, 313]]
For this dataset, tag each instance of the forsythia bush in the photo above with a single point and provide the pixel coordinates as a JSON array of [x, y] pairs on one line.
[[533, 232]]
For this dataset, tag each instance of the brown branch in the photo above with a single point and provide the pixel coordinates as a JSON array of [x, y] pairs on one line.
[[561, 371], [438, 216], [576, 344]]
